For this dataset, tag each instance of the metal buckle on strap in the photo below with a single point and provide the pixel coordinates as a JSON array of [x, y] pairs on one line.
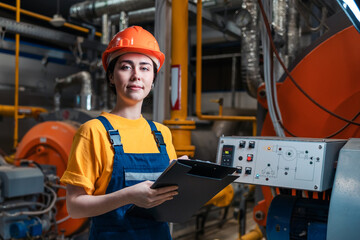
[[114, 138], [158, 138]]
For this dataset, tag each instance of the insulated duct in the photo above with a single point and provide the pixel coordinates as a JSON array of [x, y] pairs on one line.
[[93, 9], [84, 78], [279, 26], [250, 49], [293, 32]]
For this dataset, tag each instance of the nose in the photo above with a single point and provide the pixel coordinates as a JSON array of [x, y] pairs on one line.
[[136, 75]]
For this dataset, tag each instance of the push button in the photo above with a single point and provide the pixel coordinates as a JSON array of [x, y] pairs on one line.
[[249, 157], [242, 144], [252, 144], [248, 170]]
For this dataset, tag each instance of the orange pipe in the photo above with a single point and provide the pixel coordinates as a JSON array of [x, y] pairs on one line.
[[199, 75], [45, 18], [16, 100]]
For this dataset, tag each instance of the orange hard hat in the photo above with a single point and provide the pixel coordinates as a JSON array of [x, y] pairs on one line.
[[133, 39]]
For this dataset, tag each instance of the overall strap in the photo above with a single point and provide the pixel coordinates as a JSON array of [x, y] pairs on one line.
[[158, 137], [114, 135]]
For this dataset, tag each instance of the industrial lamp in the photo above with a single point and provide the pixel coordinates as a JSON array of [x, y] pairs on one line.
[[352, 10]]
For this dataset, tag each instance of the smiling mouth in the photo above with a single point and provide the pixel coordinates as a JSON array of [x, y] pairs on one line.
[[135, 87]]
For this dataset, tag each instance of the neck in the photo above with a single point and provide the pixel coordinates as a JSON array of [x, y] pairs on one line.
[[127, 111]]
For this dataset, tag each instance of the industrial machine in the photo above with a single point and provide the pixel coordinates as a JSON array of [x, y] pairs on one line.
[[32, 199], [327, 167]]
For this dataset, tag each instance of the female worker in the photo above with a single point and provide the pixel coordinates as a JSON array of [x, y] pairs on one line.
[[114, 156]]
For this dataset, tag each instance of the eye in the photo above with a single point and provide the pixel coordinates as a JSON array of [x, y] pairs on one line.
[[125, 67], [145, 68]]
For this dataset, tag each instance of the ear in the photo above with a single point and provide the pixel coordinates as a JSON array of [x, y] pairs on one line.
[[111, 78]]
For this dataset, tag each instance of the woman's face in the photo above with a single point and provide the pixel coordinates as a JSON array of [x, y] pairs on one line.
[[133, 75]]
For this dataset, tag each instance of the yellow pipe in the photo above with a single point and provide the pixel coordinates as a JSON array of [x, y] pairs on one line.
[[9, 111], [199, 75], [16, 100], [179, 52], [254, 234], [45, 18], [254, 128], [179, 125]]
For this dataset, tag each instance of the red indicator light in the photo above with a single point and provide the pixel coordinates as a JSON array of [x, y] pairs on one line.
[[249, 157]]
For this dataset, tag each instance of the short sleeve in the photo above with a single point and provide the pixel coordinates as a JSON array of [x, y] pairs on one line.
[[82, 166]]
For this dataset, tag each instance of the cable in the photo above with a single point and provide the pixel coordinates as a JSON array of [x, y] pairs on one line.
[[266, 22], [343, 128]]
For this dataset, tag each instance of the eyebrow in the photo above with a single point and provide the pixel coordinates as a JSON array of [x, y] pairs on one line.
[[132, 62]]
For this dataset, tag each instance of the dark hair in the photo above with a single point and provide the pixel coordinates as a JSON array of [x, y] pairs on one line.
[[110, 70]]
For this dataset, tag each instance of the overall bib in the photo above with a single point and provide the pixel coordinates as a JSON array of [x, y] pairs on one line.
[[130, 169]]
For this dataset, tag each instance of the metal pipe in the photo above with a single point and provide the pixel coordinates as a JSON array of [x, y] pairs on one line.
[[105, 37], [9, 111], [45, 18], [123, 21], [16, 102], [198, 75], [233, 81], [96, 8], [86, 90]]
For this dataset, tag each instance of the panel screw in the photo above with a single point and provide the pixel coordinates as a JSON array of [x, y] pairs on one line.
[[315, 187], [320, 147]]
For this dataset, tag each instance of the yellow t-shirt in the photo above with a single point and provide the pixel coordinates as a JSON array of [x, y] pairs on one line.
[[91, 158]]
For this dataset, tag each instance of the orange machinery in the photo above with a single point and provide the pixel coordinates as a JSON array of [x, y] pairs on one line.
[[49, 143], [329, 73]]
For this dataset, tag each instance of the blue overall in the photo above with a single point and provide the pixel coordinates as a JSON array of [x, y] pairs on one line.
[[130, 169]]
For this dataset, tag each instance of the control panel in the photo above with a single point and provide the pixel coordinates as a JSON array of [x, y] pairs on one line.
[[298, 163]]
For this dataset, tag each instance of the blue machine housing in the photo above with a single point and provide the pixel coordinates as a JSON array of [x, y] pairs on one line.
[[295, 218]]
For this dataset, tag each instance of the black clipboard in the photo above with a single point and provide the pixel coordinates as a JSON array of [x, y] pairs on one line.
[[198, 182]]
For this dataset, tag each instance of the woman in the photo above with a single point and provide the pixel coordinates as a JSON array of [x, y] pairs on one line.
[[114, 156]]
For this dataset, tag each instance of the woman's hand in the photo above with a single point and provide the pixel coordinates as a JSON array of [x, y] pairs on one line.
[[143, 196]]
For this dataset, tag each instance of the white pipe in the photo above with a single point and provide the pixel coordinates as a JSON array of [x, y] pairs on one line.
[[84, 78]]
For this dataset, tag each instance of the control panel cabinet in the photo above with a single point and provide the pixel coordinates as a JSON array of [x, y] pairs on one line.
[[298, 163]]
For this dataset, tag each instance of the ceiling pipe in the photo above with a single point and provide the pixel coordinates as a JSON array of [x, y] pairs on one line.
[[93, 9], [46, 18]]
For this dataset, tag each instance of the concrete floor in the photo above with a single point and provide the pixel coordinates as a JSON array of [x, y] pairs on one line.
[[229, 230]]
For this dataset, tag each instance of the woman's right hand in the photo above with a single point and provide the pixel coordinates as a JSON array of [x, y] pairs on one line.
[[144, 196]]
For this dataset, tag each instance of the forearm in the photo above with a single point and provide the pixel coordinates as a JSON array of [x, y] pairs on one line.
[[80, 206]]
